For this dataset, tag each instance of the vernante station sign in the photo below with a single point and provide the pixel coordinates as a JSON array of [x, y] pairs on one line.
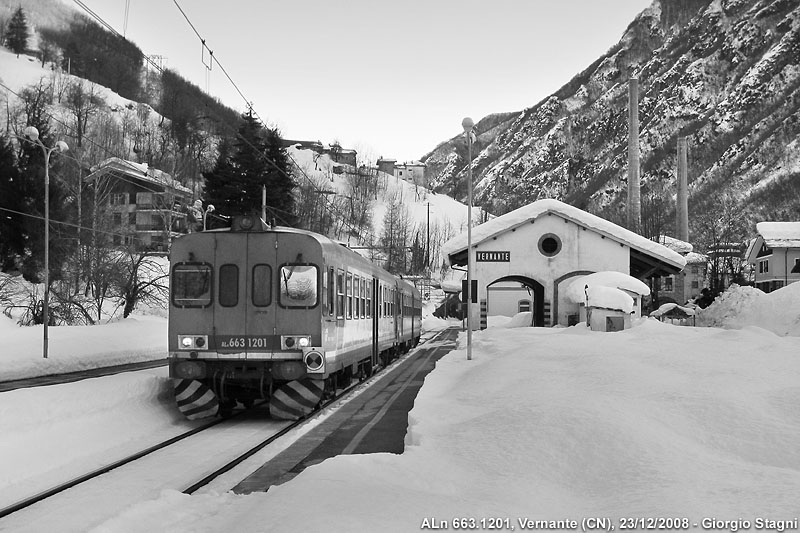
[[493, 257]]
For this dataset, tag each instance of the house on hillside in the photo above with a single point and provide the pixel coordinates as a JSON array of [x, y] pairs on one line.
[[387, 165], [345, 156], [775, 255], [146, 207], [413, 172]]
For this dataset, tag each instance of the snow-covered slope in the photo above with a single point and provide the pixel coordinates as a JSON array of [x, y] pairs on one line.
[[724, 73]]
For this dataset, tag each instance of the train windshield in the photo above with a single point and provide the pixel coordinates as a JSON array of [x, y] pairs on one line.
[[299, 286], [191, 285]]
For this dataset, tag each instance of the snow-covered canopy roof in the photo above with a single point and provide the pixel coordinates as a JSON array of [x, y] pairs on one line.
[[780, 234], [672, 307], [451, 286], [609, 278], [609, 298], [649, 251]]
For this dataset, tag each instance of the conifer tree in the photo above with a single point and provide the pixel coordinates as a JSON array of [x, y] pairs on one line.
[[256, 158], [18, 32], [12, 239]]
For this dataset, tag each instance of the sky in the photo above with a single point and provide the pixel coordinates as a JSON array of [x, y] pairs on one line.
[[390, 79], [549, 424]]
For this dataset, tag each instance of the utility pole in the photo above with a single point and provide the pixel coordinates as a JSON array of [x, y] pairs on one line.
[[428, 240], [634, 207]]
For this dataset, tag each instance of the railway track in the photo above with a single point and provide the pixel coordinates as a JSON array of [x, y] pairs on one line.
[[78, 375], [285, 428]]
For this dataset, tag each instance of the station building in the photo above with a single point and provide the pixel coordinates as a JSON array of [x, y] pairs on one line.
[[544, 246]]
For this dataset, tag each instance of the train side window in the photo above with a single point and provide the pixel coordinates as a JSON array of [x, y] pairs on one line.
[[262, 285], [357, 296], [349, 296], [191, 285], [331, 291], [340, 294], [369, 298], [363, 298], [228, 285], [298, 286]]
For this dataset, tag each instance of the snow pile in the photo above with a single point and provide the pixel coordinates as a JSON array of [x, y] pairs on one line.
[[739, 307]]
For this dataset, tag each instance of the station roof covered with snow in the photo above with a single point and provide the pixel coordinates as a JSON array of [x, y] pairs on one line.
[[647, 258]]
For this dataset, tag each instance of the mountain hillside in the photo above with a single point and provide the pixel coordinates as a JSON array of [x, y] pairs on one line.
[[724, 73]]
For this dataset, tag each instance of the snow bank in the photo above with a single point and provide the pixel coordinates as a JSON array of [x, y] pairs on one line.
[[739, 307]]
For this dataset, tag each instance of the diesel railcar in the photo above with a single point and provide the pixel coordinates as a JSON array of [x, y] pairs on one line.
[[279, 314]]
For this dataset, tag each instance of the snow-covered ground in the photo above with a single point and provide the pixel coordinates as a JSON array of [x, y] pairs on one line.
[[543, 424]]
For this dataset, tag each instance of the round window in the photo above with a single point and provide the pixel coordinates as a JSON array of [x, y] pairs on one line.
[[549, 244]]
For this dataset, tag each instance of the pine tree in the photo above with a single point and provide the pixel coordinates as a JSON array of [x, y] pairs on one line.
[[18, 32], [12, 239], [256, 158], [394, 238]]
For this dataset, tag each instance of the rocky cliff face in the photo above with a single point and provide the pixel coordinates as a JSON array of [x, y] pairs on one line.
[[724, 73]]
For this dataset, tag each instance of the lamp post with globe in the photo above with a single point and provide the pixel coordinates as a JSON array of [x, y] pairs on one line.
[[32, 134]]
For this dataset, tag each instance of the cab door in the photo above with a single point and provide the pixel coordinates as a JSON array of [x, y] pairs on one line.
[[259, 301], [230, 312]]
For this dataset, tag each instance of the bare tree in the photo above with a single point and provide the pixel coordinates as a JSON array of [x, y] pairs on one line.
[[143, 281], [395, 236], [83, 103], [720, 230]]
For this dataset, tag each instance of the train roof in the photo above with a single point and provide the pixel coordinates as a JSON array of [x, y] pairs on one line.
[[322, 239], [325, 242]]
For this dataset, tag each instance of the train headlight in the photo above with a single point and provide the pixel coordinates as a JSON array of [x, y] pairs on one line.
[[294, 342], [314, 358], [193, 342]]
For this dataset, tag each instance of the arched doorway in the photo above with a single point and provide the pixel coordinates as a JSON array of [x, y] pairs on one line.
[[535, 290]]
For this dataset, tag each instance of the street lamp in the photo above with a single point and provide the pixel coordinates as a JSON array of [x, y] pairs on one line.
[[468, 125], [33, 136]]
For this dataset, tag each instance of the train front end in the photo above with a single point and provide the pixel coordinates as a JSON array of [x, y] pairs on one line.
[[245, 320]]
